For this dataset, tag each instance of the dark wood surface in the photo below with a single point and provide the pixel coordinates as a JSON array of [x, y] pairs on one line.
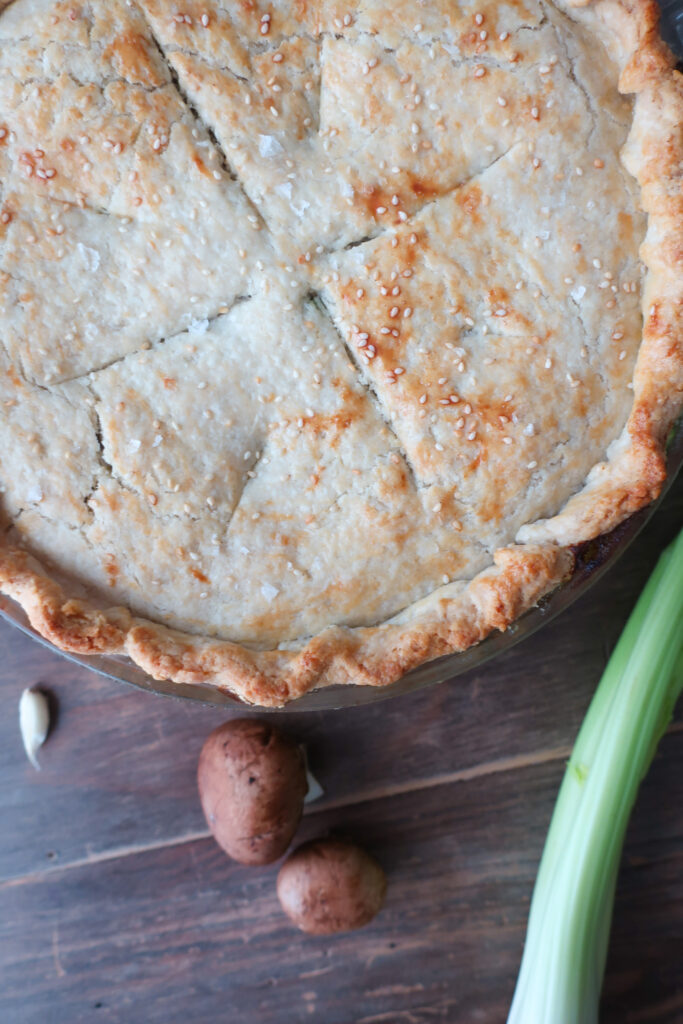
[[116, 905]]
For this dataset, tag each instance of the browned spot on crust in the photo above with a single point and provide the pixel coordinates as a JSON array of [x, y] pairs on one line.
[[476, 462], [373, 198], [337, 421], [112, 569], [14, 376], [111, 499], [422, 188], [170, 383], [625, 229], [411, 192], [470, 201], [130, 56], [200, 165], [6, 217], [498, 296], [68, 145], [199, 575]]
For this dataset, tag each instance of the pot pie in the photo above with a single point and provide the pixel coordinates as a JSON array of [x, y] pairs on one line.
[[328, 329]]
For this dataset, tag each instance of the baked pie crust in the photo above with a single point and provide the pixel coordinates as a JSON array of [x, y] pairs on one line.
[[328, 328]]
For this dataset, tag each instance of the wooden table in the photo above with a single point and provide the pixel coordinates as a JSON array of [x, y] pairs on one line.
[[116, 905]]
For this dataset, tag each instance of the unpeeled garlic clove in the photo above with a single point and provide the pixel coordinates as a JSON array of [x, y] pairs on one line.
[[315, 790], [34, 722]]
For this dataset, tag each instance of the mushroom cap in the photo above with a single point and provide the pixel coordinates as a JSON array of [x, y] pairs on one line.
[[330, 885], [252, 784]]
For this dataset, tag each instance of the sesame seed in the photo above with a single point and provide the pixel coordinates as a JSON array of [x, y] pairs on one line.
[[617, 335], [503, 36], [502, 102], [394, 311], [534, 113], [381, 209], [205, 20], [479, 71], [407, 313], [277, 58]]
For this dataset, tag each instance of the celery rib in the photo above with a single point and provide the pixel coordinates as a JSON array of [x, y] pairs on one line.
[[568, 933]]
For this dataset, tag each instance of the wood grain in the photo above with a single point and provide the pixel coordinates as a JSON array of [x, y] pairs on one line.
[[115, 906], [178, 933]]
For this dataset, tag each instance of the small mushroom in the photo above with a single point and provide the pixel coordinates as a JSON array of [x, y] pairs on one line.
[[252, 784], [330, 885]]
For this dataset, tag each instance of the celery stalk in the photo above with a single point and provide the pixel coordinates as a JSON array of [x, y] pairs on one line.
[[568, 933]]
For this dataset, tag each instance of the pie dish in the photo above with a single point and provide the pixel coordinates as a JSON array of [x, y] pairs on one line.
[[328, 330]]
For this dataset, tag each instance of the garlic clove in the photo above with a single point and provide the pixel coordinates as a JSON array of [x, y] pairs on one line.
[[315, 790], [34, 722]]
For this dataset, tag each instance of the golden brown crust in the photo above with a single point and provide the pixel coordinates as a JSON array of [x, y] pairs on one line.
[[634, 475], [374, 656], [457, 616]]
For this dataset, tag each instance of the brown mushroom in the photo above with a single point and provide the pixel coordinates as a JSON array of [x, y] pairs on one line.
[[330, 885], [252, 784]]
